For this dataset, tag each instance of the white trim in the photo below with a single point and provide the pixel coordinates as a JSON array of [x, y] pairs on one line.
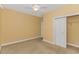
[[53, 30], [58, 17], [48, 42], [73, 14], [74, 45], [19, 41]]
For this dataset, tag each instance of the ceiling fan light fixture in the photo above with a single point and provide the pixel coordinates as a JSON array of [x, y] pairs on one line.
[[36, 7]]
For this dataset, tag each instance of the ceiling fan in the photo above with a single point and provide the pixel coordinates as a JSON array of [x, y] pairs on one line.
[[36, 7]]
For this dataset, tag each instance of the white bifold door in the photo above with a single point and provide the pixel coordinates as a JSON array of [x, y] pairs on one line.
[[60, 31]]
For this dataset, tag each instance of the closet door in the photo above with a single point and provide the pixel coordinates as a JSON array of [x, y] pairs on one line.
[[60, 31]]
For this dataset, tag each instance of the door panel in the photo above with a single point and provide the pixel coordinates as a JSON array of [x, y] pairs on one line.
[[60, 31]]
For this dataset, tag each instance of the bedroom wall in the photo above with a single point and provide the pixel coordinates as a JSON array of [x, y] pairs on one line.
[[48, 19], [18, 26]]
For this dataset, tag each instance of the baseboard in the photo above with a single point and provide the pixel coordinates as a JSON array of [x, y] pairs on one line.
[[48, 41], [19, 41], [74, 45]]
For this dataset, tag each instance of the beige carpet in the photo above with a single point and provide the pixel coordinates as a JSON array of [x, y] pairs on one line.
[[37, 46]]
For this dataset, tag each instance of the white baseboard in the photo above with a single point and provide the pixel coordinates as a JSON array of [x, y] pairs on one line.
[[74, 45], [19, 41], [48, 41]]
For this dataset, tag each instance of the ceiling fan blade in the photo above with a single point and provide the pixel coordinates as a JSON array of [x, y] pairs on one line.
[[28, 8], [43, 7]]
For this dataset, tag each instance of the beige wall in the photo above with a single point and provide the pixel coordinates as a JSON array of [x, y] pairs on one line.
[[48, 19], [17, 26]]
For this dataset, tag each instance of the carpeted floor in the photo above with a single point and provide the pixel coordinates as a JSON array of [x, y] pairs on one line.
[[37, 46]]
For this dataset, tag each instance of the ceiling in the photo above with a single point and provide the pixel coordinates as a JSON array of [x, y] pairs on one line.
[[27, 8]]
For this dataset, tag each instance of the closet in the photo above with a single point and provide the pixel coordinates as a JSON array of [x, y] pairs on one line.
[[66, 30], [73, 30]]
